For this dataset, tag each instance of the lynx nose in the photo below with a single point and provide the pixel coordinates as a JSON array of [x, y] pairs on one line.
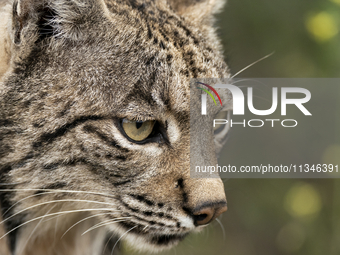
[[206, 214]]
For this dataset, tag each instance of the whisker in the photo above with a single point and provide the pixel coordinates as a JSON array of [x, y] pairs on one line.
[[108, 242], [175, 250], [56, 223], [121, 238], [222, 227], [52, 214], [23, 199], [52, 218], [105, 223], [13, 183], [35, 228], [238, 81], [102, 223], [51, 202], [61, 191], [93, 216], [206, 233], [248, 66]]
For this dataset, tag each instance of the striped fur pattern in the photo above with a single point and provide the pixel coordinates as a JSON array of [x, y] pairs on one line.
[[74, 69]]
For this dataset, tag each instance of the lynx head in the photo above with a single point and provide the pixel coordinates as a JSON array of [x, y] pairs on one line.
[[95, 118]]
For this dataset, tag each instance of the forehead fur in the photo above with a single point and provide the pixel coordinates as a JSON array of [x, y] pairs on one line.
[[95, 56]]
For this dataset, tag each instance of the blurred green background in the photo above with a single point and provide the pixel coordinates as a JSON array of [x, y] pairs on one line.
[[282, 216], [278, 216]]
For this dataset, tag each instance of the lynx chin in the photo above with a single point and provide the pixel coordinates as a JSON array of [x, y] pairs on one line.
[[94, 124]]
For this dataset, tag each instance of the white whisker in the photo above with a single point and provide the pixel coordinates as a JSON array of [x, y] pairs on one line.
[[23, 199], [13, 183], [222, 227], [121, 238], [56, 224], [105, 223], [108, 242], [52, 214], [267, 56], [53, 201], [93, 216], [35, 228], [238, 81], [61, 191], [175, 250]]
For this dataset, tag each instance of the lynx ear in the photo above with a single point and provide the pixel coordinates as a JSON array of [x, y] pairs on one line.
[[31, 18], [38, 19], [197, 9]]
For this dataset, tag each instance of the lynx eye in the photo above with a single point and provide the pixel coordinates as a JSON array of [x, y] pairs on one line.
[[138, 130]]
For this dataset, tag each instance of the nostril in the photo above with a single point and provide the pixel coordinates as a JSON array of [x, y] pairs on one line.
[[203, 216], [200, 217], [206, 214]]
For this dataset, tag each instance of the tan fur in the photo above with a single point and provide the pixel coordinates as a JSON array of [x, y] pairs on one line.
[[75, 70], [5, 52]]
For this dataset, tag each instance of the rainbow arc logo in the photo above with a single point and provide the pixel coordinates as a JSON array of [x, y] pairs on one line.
[[212, 89]]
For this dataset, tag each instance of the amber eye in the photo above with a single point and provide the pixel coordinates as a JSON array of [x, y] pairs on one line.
[[138, 130]]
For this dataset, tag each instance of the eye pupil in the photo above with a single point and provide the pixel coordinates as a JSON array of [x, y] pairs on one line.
[[139, 124]]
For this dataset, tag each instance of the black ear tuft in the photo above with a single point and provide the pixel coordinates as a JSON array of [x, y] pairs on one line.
[[45, 23], [37, 15]]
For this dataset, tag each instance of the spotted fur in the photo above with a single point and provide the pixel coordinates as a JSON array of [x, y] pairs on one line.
[[70, 71]]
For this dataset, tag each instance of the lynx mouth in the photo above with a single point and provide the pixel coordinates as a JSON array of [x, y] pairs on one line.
[[152, 240], [165, 240]]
